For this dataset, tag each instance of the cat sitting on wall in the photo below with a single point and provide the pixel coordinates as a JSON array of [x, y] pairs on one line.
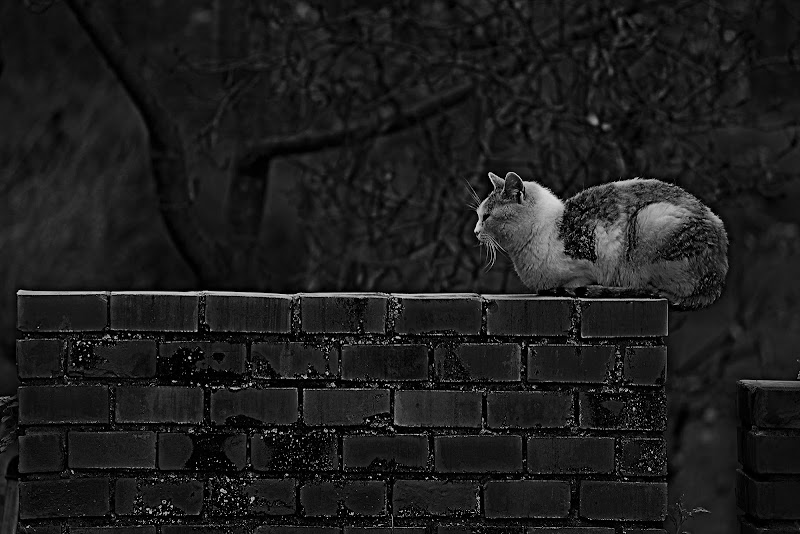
[[632, 237]]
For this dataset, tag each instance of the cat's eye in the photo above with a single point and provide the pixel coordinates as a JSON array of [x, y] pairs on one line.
[[486, 216]]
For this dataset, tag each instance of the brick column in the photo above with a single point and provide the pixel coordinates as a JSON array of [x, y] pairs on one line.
[[177, 413], [768, 483]]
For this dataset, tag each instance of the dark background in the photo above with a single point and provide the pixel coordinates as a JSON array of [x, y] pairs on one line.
[[306, 145]]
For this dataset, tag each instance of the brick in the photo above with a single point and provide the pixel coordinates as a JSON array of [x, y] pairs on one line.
[[645, 366], [41, 452], [352, 497], [193, 361], [205, 529], [478, 454], [428, 408], [120, 359], [384, 530], [39, 358], [158, 497], [39, 529], [499, 362], [385, 362], [527, 498], [414, 498], [251, 497], [467, 529], [769, 403], [623, 318], [77, 497], [283, 452], [643, 531], [643, 457], [381, 453], [749, 528], [159, 404], [112, 450], [439, 313], [570, 530], [248, 312], [63, 404], [155, 311], [528, 315], [344, 407], [571, 455], [768, 499], [267, 529], [571, 363], [251, 406], [292, 360], [637, 410], [767, 453], [346, 313], [529, 409], [112, 530], [61, 311], [202, 451], [626, 501]]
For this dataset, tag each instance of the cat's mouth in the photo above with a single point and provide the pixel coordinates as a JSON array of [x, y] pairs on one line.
[[492, 247]]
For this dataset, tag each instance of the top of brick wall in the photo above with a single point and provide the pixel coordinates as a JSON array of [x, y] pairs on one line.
[[340, 313]]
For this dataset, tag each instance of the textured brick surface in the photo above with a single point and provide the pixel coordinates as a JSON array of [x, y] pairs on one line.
[[39, 358], [634, 501], [750, 528], [79, 497], [343, 313], [282, 452], [159, 404], [769, 403], [155, 311], [248, 312], [344, 406], [250, 406], [385, 362], [439, 313], [191, 361], [478, 361], [360, 497], [41, 452], [529, 409], [232, 413], [385, 452], [772, 452], [155, 497], [63, 404], [433, 497], [528, 315], [570, 455], [477, 454], [768, 499], [645, 365], [643, 457], [119, 450], [46, 311], [122, 359], [292, 360], [570, 363], [623, 318], [231, 497], [640, 410], [203, 451], [527, 498], [438, 408]]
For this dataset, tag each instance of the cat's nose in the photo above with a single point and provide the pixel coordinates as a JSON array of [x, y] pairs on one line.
[[477, 229]]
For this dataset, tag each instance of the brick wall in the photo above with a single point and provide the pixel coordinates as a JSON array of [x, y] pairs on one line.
[[354, 413], [768, 483]]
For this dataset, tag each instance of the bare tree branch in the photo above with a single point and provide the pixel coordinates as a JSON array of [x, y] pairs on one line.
[[167, 155]]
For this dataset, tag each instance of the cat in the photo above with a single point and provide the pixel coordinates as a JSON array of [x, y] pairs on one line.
[[641, 237]]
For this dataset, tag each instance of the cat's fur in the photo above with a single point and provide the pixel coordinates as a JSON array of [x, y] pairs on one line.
[[645, 236]]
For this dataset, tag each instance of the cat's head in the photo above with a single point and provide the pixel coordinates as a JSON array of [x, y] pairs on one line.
[[503, 210]]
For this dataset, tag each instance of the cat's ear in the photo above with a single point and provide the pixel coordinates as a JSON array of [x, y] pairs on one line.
[[514, 187], [497, 182]]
